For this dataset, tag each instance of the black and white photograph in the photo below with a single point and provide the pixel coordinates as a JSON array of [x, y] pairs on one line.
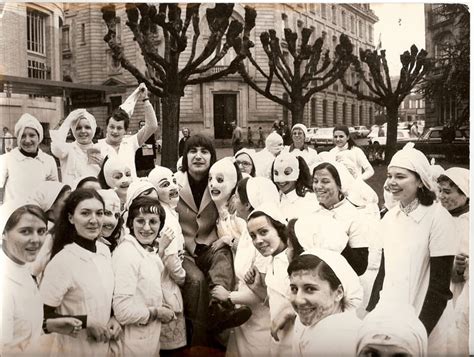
[[235, 179]]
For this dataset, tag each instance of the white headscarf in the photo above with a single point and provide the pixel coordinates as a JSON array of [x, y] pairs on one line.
[[129, 105], [260, 190], [302, 127], [77, 115], [111, 200], [7, 209], [135, 189], [28, 121], [394, 324], [46, 194], [283, 162], [271, 210], [460, 177], [414, 160], [347, 180], [349, 280]]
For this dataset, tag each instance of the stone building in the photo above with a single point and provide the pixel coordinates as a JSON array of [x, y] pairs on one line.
[[211, 107], [440, 33]]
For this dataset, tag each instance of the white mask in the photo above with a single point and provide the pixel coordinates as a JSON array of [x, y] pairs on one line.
[[222, 180], [118, 175], [274, 143], [285, 168], [165, 183]]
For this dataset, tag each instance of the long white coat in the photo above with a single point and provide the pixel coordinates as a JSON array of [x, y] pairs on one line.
[[137, 287], [79, 282]]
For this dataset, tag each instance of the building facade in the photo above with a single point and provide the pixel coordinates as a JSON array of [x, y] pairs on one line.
[[211, 107], [30, 48], [440, 34]]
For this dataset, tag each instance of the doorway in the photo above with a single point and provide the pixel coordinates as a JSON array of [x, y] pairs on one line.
[[225, 112]]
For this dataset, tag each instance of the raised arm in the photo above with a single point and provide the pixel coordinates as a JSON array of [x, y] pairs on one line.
[[151, 124], [59, 136]]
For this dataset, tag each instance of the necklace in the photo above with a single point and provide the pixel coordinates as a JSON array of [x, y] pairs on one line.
[[410, 207]]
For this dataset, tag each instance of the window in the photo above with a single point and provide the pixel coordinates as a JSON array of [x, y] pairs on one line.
[[352, 24], [66, 39], [344, 113], [37, 69], [334, 14], [36, 32], [284, 18], [371, 115], [371, 34], [343, 19], [353, 115], [313, 111], [361, 113], [324, 11], [361, 29], [312, 7], [83, 34], [325, 112], [334, 112]]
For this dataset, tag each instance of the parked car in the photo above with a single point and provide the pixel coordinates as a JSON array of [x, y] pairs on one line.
[[402, 136], [310, 137], [324, 137], [361, 131]]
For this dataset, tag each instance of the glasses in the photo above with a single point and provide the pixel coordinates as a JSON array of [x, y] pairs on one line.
[[243, 163], [142, 221]]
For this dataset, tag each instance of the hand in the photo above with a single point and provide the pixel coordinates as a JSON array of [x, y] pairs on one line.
[[460, 263], [166, 237], [281, 321], [114, 328], [143, 92], [220, 293], [97, 332], [64, 325], [165, 314], [96, 159], [218, 244], [249, 276]]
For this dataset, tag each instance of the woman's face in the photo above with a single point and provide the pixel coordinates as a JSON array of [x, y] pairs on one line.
[[450, 197], [222, 180], [87, 218], [403, 184], [326, 189], [298, 137], [168, 190], [264, 236], [23, 242], [199, 160], [379, 350], [340, 138], [115, 131], [29, 140], [83, 132], [146, 227], [312, 297], [244, 162]]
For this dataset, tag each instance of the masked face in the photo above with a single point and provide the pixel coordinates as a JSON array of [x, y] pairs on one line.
[[286, 172], [118, 176], [168, 189], [276, 147], [312, 297], [23, 242], [222, 180]]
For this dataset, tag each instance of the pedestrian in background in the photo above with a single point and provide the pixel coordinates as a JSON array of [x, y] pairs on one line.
[[183, 140], [236, 137], [7, 142], [249, 137], [261, 137]]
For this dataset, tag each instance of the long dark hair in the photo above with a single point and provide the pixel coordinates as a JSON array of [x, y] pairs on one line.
[[198, 140], [297, 248], [242, 191], [279, 227], [424, 195], [304, 180], [101, 176], [350, 142], [64, 230]]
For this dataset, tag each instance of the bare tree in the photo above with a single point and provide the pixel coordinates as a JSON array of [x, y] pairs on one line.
[[310, 71], [164, 76], [414, 67]]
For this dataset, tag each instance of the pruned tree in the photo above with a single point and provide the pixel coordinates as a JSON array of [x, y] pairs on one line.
[[450, 79], [310, 70], [415, 66], [164, 77]]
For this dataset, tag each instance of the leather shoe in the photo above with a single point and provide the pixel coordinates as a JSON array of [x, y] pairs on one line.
[[224, 318]]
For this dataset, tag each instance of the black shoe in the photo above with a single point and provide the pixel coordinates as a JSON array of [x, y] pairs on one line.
[[224, 318]]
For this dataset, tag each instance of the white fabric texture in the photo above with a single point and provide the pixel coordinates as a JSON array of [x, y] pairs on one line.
[[136, 188], [28, 121], [260, 190], [294, 206], [46, 194], [126, 151], [460, 177], [129, 105]]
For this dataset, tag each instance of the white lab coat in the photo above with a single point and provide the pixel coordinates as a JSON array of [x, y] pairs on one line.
[[137, 287], [253, 337], [355, 155], [278, 288], [294, 206], [126, 151], [263, 161], [74, 160], [409, 241], [22, 310], [80, 282], [308, 154], [21, 175]]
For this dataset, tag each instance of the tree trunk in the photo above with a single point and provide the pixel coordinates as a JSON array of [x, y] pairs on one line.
[[169, 131], [392, 124], [297, 113]]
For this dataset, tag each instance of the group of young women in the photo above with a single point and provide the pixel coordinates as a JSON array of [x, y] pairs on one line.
[[280, 252]]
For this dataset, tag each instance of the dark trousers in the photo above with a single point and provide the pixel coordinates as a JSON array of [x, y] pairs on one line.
[[203, 272]]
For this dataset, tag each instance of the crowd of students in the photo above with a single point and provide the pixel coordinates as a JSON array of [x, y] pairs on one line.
[[277, 252]]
